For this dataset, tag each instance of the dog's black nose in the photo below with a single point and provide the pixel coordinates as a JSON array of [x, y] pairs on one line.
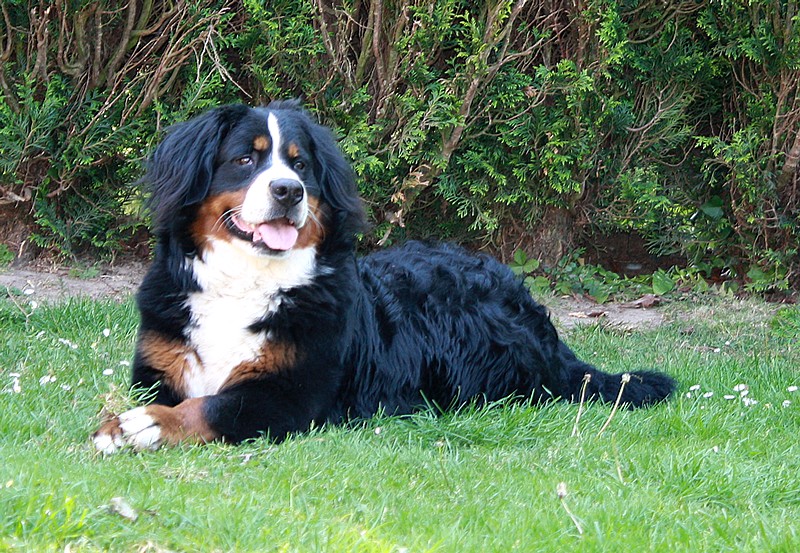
[[287, 192]]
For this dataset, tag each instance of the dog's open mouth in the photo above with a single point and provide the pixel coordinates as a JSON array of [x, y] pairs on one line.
[[278, 234]]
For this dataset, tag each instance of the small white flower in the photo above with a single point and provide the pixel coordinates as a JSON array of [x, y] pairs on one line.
[[791, 389], [689, 394], [34, 304], [694, 388], [28, 291], [786, 403], [108, 372], [15, 386], [715, 449], [106, 332], [740, 387], [67, 343], [748, 402], [378, 430], [729, 397], [47, 379], [708, 394], [125, 363]]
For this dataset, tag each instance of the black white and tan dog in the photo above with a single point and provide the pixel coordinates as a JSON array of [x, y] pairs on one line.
[[258, 318]]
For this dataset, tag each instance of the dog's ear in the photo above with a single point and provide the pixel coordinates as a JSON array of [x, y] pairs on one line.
[[337, 180], [179, 172]]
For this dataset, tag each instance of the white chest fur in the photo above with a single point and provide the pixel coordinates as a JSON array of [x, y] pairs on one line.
[[238, 289]]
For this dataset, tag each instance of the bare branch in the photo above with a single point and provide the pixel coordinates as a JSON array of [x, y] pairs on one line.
[[123, 45], [8, 48]]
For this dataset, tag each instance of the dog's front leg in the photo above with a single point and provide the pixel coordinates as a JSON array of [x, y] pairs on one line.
[[272, 406], [151, 426]]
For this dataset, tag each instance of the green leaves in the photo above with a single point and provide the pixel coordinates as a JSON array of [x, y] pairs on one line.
[[523, 264], [662, 283], [713, 207]]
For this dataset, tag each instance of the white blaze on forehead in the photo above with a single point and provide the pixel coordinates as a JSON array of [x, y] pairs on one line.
[[258, 201], [275, 133], [278, 168]]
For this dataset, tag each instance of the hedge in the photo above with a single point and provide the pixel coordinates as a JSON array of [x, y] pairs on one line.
[[507, 125]]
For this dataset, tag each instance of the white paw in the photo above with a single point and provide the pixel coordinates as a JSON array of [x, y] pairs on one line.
[[140, 429], [136, 429]]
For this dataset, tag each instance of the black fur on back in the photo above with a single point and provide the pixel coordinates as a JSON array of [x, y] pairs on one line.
[[463, 328]]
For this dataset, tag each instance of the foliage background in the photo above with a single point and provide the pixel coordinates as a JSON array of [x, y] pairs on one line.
[[527, 124]]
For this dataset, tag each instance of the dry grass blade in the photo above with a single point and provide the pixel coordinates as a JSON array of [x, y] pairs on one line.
[[586, 379], [561, 490], [626, 377]]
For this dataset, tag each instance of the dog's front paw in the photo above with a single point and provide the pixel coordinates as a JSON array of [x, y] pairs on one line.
[[135, 428], [154, 425], [108, 438]]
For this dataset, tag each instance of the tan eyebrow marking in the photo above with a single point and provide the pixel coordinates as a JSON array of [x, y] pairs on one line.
[[261, 142], [293, 151]]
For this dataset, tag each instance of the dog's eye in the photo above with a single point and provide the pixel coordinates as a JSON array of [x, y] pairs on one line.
[[299, 165], [244, 160]]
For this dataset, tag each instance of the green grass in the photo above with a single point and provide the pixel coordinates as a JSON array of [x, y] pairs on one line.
[[695, 474]]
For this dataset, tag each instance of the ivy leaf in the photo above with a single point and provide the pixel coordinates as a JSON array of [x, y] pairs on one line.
[[538, 284], [662, 283], [713, 207]]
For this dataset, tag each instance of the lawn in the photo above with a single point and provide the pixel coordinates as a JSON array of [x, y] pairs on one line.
[[717, 468]]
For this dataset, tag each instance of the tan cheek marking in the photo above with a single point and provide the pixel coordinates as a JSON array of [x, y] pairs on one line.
[[209, 222], [261, 143], [273, 358], [186, 422], [313, 232], [168, 356]]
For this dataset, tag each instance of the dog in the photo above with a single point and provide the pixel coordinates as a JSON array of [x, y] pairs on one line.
[[258, 318]]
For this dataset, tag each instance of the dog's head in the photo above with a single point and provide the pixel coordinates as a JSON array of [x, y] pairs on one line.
[[268, 179]]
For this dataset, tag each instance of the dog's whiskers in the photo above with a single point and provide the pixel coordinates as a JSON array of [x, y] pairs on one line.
[[226, 217], [313, 217]]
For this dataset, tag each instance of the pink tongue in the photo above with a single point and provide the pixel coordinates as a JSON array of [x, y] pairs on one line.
[[276, 235]]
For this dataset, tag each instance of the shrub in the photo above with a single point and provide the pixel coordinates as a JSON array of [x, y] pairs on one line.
[[464, 118], [507, 124], [753, 158], [85, 87]]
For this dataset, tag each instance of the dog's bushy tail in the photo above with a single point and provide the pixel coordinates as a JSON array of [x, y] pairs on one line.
[[641, 388]]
